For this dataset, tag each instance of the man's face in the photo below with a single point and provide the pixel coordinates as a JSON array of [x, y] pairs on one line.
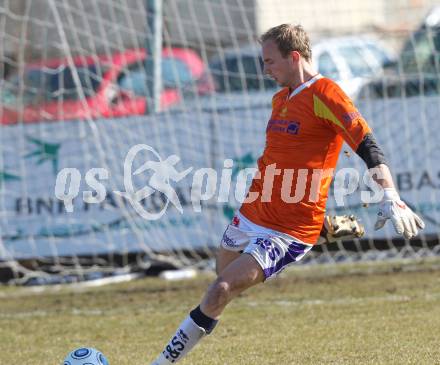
[[281, 69]]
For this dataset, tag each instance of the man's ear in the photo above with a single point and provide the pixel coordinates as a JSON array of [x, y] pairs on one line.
[[295, 56]]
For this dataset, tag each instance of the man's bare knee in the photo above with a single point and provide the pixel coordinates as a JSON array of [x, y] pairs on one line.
[[238, 276], [218, 293]]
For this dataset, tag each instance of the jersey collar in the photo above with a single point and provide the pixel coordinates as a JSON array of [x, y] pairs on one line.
[[304, 85]]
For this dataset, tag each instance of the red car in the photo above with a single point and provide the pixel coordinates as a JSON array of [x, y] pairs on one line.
[[112, 86]]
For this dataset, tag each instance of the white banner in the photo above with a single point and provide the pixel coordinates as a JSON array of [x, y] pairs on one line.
[[34, 223]]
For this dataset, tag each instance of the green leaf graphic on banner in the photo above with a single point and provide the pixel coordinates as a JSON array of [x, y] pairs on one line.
[[45, 152], [240, 163], [5, 176]]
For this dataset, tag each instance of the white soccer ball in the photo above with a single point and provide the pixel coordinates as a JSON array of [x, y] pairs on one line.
[[85, 356]]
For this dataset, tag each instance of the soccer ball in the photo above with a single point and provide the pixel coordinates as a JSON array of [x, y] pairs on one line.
[[85, 356]]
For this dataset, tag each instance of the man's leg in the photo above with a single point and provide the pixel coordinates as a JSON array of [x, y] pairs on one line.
[[224, 258], [241, 274]]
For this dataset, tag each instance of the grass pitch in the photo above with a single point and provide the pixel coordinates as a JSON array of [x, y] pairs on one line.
[[317, 315]]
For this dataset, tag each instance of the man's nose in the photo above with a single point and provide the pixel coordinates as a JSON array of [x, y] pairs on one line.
[[266, 70]]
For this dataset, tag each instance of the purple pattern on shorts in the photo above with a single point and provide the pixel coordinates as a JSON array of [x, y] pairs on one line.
[[295, 249]]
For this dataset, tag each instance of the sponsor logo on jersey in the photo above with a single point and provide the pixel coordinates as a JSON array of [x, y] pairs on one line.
[[293, 128], [286, 126], [349, 117]]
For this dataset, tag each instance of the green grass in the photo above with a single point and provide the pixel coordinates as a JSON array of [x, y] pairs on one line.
[[318, 315]]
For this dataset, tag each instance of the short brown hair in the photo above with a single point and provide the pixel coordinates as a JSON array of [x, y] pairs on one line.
[[289, 38]]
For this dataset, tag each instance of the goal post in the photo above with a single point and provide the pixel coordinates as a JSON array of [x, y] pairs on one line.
[[95, 183]]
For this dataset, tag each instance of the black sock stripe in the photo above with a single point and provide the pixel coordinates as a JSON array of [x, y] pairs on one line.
[[202, 320]]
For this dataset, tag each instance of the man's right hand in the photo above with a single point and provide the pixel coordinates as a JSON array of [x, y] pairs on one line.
[[340, 227]]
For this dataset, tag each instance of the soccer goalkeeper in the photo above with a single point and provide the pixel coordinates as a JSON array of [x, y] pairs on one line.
[[311, 118]]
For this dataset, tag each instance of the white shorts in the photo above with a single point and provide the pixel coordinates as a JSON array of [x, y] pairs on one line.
[[273, 250]]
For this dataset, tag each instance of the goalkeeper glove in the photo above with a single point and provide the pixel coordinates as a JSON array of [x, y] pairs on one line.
[[405, 221], [340, 227]]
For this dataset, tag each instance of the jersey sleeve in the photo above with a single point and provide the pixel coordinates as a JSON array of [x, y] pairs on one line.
[[337, 110]]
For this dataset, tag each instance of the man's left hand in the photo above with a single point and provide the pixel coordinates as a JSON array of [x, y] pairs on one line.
[[405, 221]]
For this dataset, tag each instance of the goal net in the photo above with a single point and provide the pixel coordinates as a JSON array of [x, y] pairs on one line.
[[131, 128]]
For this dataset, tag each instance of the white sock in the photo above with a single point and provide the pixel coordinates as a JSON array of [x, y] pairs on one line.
[[187, 336]]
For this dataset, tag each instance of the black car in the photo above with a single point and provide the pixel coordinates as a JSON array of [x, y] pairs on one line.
[[240, 70], [417, 70]]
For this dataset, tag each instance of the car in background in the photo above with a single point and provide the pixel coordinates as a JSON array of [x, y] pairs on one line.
[[239, 69], [350, 61], [417, 69], [112, 86]]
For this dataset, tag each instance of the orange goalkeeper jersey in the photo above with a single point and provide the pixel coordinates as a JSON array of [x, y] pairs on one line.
[[304, 136]]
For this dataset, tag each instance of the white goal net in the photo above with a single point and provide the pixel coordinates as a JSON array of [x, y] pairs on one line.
[[118, 158]]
